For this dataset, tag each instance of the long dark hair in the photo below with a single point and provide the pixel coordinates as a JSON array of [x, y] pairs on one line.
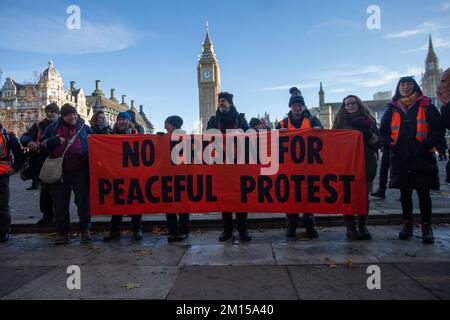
[[95, 118], [417, 88], [341, 117]]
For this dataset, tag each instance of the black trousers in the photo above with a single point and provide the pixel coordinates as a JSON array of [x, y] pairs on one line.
[[425, 204], [78, 182], [178, 223], [241, 220], [5, 215], [294, 218], [46, 202], [447, 169], [384, 168], [136, 223]]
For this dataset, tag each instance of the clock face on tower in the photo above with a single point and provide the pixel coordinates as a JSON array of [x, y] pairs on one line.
[[206, 74]]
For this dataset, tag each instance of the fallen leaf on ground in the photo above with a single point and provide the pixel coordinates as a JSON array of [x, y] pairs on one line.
[[131, 286], [141, 253], [349, 264]]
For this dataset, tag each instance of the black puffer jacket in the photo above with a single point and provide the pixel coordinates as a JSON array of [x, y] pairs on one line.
[[229, 120], [413, 165]]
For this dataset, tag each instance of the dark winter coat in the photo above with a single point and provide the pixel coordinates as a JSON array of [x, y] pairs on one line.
[[51, 141], [14, 150], [230, 120], [413, 165], [298, 123]]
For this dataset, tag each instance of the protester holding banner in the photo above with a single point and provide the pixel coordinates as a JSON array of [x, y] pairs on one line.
[[140, 129], [228, 118], [299, 118], [124, 125], [354, 115], [412, 127], [443, 94], [9, 145], [178, 224], [255, 124], [75, 177], [32, 140], [99, 125]]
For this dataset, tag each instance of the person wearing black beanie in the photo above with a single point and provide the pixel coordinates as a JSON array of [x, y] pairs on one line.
[[228, 118], [178, 224], [299, 118]]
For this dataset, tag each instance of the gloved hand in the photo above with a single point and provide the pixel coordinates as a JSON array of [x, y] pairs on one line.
[[160, 133]]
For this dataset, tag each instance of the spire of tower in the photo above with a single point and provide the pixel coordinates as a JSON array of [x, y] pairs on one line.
[[321, 89], [432, 57]]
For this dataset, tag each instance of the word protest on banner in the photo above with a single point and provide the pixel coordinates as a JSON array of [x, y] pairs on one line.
[[301, 171]]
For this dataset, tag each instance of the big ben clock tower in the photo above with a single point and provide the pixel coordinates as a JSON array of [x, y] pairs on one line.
[[208, 81]]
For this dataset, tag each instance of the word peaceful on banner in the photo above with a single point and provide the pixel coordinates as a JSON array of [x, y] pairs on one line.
[[303, 171]]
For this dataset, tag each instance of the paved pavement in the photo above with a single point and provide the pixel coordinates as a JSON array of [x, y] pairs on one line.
[[269, 268]]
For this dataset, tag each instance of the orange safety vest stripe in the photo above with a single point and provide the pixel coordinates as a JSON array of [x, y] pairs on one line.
[[306, 124], [5, 163], [423, 129]]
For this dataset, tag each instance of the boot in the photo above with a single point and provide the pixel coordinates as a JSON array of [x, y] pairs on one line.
[[85, 237], [380, 194], [172, 237], [62, 239], [352, 233], [291, 232], [4, 237], [407, 231], [362, 227], [112, 236], [310, 227], [138, 235], [245, 236], [427, 233], [225, 236], [45, 222]]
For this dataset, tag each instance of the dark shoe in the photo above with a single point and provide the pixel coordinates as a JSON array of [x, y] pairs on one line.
[[4, 237], [291, 232], [62, 239], [407, 231], [112, 236], [352, 233], [225, 236], [85, 237], [427, 234], [172, 238], [380, 194], [362, 227], [311, 232], [138, 235], [245, 236], [33, 187], [45, 222], [183, 237]]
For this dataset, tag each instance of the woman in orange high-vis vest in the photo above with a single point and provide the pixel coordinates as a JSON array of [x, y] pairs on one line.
[[299, 118], [9, 145], [411, 127], [354, 115]]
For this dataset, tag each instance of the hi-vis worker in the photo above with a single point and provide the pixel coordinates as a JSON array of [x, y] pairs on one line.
[[299, 118], [411, 127], [9, 145]]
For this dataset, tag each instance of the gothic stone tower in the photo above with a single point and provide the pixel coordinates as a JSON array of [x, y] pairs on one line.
[[208, 81], [432, 75]]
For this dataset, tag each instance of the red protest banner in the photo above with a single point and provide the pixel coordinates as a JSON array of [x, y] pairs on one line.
[[315, 172]]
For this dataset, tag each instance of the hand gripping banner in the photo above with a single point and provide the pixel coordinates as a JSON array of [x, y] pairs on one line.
[[302, 171]]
